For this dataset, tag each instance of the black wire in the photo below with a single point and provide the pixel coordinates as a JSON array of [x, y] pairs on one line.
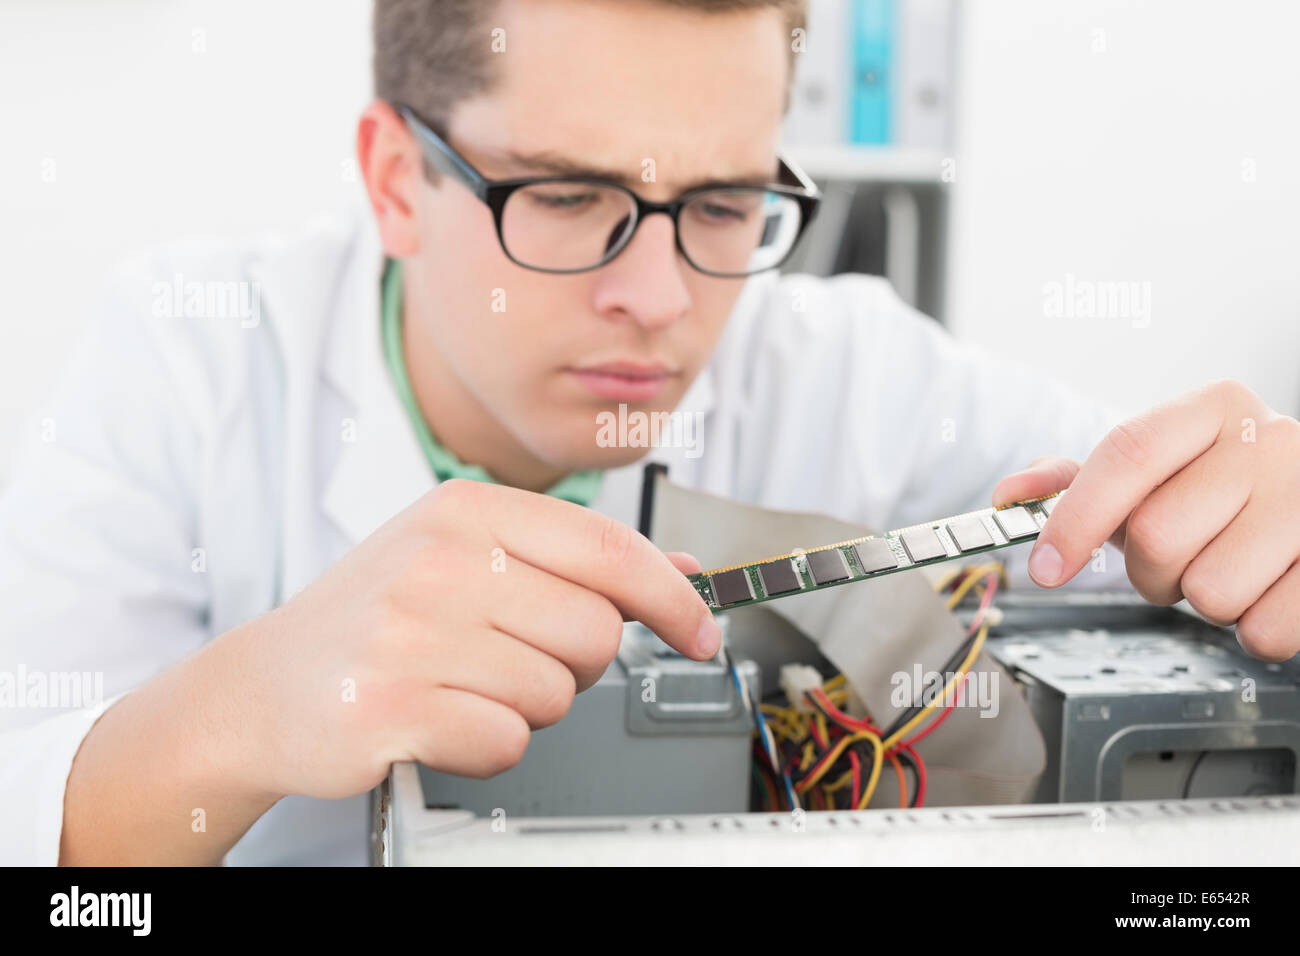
[[949, 667], [906, 758], [1191, 774], [843, 757], [865, 749], [761, 764]]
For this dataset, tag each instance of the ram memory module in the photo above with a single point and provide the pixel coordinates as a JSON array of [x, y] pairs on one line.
[[874, 556]]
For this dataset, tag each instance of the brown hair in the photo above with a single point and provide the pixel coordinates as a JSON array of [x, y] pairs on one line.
[[431, 54]]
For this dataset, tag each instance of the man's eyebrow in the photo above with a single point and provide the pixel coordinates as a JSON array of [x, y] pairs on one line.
[[552, 164]]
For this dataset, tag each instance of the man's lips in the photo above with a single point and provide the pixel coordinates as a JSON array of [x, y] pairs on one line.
[[624, 381]]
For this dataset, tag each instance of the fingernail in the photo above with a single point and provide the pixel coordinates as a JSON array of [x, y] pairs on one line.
[[1045, 565], [709, 638]]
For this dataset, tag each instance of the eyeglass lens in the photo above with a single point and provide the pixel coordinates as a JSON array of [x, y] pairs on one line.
[[578, 225]]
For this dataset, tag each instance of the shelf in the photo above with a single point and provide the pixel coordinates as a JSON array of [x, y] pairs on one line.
[[883, 163]]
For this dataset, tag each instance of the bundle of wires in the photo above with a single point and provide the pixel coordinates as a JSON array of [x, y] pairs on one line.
[[818, 757]]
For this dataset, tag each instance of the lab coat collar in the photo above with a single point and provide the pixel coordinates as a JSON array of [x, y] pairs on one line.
[[381, 469], [321, 296]]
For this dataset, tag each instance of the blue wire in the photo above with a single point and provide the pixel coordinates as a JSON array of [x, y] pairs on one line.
[[763, 732]]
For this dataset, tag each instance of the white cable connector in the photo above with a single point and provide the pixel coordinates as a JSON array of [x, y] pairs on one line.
[[796, 681]]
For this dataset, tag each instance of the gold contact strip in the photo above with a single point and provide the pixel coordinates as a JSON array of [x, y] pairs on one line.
[[888, 534]]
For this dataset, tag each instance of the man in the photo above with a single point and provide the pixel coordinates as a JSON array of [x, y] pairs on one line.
[[261, 533]]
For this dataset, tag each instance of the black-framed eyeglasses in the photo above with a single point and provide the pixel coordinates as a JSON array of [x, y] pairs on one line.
[[565, 224]]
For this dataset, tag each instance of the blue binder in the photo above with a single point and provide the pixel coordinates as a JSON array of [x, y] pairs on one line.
[[873, 26]]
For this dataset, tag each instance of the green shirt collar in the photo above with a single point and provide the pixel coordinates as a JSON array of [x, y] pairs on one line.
[[580, 487]]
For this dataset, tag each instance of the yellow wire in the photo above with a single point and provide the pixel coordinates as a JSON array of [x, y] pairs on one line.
[[939, 698], [977, 575], [795, 725], [845, 779], [821, 725], [946, 578], [809, 757], [810, 781], [974, 570], [877, 761]]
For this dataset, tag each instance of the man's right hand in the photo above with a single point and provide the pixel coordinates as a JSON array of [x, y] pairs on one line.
[[470, 619], [465, 622]]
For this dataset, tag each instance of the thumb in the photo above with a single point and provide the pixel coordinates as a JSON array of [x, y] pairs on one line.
[[1044, 476]]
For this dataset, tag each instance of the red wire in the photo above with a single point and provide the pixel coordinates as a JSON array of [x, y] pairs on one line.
[[903, 745], [816, 734], [817, 765], [906, 746], [934, 725], [920, 772], [992, 586], [763, 772], [803, 786], [840, 716]]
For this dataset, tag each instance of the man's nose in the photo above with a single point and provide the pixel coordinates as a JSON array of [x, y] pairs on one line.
[[646, 281]]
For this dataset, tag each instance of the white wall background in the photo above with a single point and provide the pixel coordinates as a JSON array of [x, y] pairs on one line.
[[173, 118], [1127, 165], [164, 119]]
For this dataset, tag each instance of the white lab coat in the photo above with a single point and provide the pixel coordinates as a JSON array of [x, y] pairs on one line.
[[195, 472]]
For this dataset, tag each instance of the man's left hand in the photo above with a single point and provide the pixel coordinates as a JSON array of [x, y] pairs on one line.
[[1202, 494]]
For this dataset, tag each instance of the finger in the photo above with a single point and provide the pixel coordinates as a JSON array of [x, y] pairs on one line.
[[596, 552], [512, 672], [1131, 460], [683, 562], [464, 734], [1239, 565], [1044, 476], [1270, 629], [1179, 520], [570, 623]]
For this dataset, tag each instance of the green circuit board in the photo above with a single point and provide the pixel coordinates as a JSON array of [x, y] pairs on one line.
[[874, 556]]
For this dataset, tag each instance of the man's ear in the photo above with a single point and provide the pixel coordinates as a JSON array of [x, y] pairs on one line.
[[391, 166]]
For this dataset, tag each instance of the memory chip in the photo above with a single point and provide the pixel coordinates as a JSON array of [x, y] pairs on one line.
[[827, 566], [731, 587], [875, 554], [1015, 522], [959, 538], [923, 544], [970, 533], [779, 577]]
